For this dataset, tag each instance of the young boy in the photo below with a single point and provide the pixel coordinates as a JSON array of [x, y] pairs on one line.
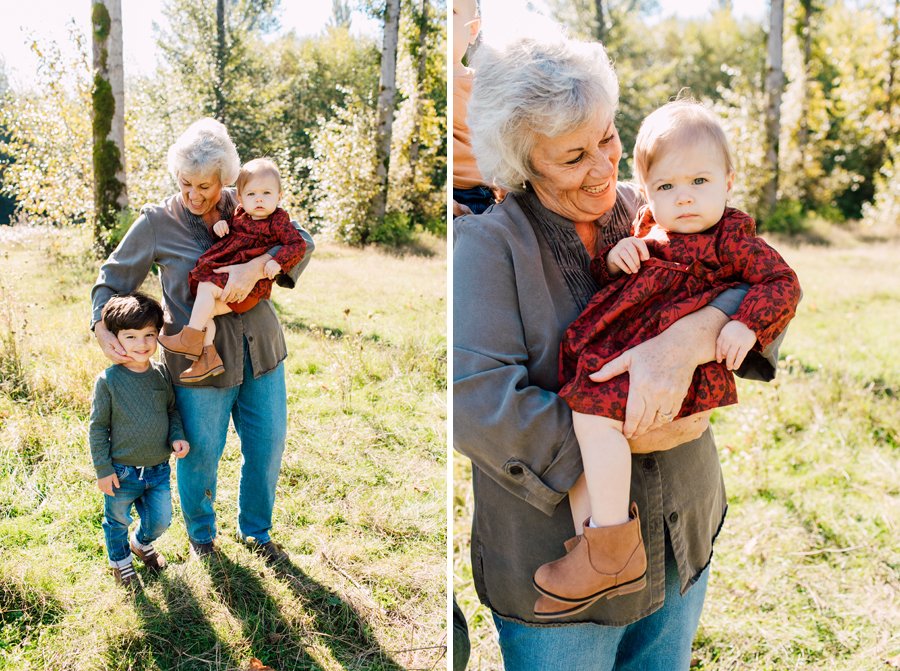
[[134, 427], [470, 194]]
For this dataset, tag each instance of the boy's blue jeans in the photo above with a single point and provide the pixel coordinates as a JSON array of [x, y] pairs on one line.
[[259, 409], [659, 642], [150, 492]]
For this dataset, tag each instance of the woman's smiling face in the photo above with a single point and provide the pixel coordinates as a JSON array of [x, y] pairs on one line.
[[200, 193], [578, 171]]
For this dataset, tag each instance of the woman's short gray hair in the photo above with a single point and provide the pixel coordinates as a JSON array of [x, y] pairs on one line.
[[533, 86], [205, 148]]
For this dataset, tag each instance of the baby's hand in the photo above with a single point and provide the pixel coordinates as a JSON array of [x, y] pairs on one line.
[[734, 341], [180, 448], [220, 228], [107, 484], [626, 256], [272, 268]]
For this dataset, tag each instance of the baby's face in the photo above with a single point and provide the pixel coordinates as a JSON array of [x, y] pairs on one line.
[[260, 195], [687, 187]]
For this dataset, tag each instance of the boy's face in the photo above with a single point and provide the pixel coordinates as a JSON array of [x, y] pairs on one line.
[[687, 187], [465, 27], [260, 195], [139, 344]]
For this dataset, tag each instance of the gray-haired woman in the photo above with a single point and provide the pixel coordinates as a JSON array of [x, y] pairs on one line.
[[172, 235], [542, 120]]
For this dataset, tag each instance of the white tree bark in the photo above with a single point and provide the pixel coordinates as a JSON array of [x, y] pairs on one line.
[[774, 87], [386, 96], [110, 193]]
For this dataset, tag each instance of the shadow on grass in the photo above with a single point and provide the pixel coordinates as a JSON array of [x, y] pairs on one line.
[[179, 636], [275, 640], [334, 622]]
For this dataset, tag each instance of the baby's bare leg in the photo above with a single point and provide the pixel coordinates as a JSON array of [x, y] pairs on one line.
[[580, 504], [607, 467], [206, 306]]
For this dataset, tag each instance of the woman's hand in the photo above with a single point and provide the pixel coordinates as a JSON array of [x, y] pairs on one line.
[[109, 344], [661, 369], [665, 436], [242, 277]]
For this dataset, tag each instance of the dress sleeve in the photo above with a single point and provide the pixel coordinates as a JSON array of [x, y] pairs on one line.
[[126, 267], [288, 278], [515, 432], [293, 246], [774, 293], [98, 429]]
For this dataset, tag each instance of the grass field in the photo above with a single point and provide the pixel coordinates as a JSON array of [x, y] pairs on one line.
[[361, 498], [806, 573]]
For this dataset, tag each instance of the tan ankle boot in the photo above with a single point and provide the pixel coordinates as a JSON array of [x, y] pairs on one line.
[[188, 342], [207, 365], [606, 562]]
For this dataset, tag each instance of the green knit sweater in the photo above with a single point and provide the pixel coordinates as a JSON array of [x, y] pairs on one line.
[[133, 418]]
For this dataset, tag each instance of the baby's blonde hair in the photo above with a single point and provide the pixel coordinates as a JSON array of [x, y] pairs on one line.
[[678, 123], [258, 166]]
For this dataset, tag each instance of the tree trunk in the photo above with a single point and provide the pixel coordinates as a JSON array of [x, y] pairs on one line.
[[893, 55], [386, 96], [774, 86], [420, 86], [805, 34], [220, 61], [601, 21], [108, 119]]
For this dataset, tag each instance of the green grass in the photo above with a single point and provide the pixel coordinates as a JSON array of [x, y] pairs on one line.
[[361, 498], [806, 572]]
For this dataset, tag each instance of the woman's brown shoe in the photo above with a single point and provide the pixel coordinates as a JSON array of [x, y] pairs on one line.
[[188, 342], [209, 364], [606, 562]]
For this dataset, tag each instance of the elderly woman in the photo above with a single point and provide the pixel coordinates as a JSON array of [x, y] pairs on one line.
[[542, 119], [172, 235]]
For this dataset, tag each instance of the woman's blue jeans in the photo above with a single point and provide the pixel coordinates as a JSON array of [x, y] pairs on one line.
[[658, 642], [259, 410], [149, 490]]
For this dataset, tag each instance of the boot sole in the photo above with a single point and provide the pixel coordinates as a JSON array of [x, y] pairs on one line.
[[625, 588], [218, 370], [192, 357], [621, 590]]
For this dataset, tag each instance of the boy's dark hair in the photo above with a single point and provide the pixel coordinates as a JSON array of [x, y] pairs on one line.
[[132, 311]]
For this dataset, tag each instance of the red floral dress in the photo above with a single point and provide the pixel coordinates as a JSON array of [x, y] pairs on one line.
[[684, 273], [246, 240]]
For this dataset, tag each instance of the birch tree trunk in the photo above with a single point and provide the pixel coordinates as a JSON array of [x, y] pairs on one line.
[[774, 86], [108, 119], [420, 86], [386, 96], [805, 35], [220, 61]]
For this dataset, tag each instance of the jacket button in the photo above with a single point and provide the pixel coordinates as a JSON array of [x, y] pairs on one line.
[[648, 464], [249, 338], [673, 518], [515, 470]]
